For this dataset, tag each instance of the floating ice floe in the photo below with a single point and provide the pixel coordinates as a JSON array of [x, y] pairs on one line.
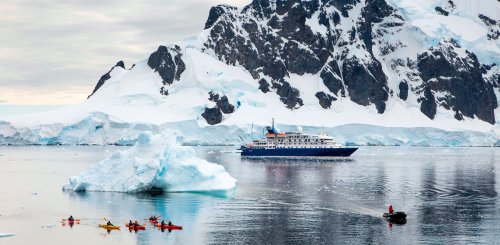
[[7, 234], [155, 162]]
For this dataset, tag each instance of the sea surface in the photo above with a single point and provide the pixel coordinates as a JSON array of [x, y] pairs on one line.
[[449, 194]]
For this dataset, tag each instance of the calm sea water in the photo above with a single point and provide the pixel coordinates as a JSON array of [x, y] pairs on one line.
[[449, 194]]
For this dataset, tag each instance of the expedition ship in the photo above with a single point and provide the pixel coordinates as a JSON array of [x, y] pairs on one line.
[[294, 144]]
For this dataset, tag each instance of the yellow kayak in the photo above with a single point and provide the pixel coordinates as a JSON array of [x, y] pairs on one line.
[[110, 227]]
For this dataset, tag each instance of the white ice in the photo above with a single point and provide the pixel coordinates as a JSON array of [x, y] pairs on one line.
[[155, 162]]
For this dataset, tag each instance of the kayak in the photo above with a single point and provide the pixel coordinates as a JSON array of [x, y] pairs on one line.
[[110, 227], [169, 227], [70, 223], [75, 220], [154, 221], [138, 227]]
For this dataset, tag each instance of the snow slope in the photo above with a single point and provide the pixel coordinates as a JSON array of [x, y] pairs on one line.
[[155, 162], [132, 96], [463, 23]]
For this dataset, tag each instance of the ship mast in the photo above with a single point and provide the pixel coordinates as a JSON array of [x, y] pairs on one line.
[[273, 126]]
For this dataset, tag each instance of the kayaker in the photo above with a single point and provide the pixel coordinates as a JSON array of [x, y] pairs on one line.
[[169, 223], [136, 223], [391, 210], [130, 223], [71, 219], [163, 223], [109, 223]]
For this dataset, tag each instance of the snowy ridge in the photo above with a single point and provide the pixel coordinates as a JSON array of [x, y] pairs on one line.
[[155, 163]]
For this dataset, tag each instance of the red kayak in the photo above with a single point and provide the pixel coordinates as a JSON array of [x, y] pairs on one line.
[[136, 227], [169, 227], [70, 222]]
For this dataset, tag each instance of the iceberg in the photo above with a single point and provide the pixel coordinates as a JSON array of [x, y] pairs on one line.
[[155, 163]]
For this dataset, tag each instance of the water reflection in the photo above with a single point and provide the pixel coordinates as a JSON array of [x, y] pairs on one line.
[[446, 198], [455, 198], [185, 209], [450, 196]]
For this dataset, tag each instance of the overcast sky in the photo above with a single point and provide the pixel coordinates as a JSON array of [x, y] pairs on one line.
[[54, 51]]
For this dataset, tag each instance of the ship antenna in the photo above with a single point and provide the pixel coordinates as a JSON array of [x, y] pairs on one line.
[[251, 132], [273, 126], [242, 139]]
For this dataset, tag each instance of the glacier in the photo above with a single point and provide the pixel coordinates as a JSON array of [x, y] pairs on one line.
[[101, 129], [155, 163]]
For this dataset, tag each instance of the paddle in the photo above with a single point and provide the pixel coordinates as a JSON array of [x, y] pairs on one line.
[[105, 219], [75, 220]]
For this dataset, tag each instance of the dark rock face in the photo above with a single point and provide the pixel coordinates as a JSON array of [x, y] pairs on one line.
[[163, 91], [374, 12], [344, 5], [167, 62], [286, 45], [215, 13], [121, 64], [258, 52], [106, 77], [403, 90], [487, 20], [288, 94], [441, 11], [221, 102], [494, 27], [459, 80], [428, 104], [332, 78], [225, 106], [212, 115], [325, 100], [264, 85], [366, 84]]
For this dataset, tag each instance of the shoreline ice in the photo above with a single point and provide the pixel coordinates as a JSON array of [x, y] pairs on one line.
[[101, 129]]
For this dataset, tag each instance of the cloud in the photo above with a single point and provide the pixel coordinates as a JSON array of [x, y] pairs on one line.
[[49, 45]]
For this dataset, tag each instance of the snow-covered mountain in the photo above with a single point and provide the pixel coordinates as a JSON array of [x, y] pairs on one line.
[[374, 68]]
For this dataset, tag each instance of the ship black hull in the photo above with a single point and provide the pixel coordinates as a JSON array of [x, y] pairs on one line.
[[299, 152]]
